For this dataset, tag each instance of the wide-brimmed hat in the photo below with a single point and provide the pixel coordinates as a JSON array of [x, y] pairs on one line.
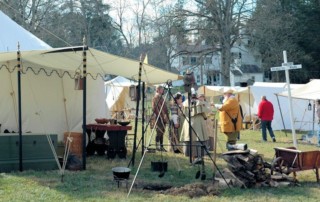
[[227, 91], [201, 95]]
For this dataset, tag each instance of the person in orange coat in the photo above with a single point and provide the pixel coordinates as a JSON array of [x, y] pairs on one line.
[[230, 117]]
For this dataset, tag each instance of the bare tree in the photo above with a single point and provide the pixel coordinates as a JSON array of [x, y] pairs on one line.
[[120, 22], [219, 23], [29, 13]]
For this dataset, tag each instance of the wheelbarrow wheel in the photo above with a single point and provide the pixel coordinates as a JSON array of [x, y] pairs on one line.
[[278, 165]]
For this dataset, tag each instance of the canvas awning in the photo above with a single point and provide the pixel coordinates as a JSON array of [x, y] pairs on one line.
[[98, 63], [309, 91], [218, 90]]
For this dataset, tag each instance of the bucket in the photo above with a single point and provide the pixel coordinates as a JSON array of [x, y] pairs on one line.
[[159, 166], [76, 144]]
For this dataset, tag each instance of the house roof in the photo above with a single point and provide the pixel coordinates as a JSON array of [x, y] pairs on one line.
[[246, 68], [236, 72], [191, 49]]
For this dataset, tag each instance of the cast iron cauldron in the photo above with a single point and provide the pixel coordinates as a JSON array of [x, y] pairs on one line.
[[121, 173]]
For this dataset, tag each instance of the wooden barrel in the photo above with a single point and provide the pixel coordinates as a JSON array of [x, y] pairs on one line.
[[76, 144]]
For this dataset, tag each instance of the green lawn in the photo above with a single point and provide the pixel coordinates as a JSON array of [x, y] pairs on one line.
[[96, 182]]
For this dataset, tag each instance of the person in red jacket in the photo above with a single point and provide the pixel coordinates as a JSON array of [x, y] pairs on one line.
[[265, 113]]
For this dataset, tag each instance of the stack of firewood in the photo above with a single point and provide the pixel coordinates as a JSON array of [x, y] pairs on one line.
[[248, 167]]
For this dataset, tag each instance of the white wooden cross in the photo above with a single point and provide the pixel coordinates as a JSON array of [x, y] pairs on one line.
[[286, 66]]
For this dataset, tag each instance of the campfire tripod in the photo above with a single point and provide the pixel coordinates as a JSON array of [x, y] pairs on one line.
[[203, 147], [149, 143]]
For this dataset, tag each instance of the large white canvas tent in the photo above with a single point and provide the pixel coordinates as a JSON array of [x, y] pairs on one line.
[[49, 102], [12, 33], [301, 115], [308, 92]]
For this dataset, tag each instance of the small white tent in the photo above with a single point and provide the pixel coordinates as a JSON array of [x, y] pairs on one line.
[[301, 115], [242, 93], [117, 91]]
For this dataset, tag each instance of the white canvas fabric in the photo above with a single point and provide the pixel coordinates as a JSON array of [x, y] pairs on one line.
[[51, 103], [303, 118]]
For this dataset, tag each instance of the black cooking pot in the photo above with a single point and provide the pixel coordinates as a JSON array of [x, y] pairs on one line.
[[161, 166], [121, 173]]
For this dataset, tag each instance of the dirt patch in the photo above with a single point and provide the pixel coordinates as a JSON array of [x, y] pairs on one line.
[[191, 190]]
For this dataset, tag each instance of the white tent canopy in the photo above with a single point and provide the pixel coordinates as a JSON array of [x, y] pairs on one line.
[[309, 91], [98, 63], [301, 115]]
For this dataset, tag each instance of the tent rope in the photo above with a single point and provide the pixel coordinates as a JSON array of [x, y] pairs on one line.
[[42, 124], [69, 139]]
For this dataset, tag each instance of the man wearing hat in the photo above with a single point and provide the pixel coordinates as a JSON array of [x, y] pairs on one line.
[[230, 118], [159, 108]]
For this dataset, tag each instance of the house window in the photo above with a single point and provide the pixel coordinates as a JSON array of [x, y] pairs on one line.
[[267, 75], [185, 61], [240, 55], [198, 78], [193, 60], [209, 80]]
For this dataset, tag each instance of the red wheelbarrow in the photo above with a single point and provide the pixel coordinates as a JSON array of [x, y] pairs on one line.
[[290, 160]]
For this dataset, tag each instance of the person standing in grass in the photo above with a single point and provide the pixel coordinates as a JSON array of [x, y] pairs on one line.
[[318, 116], [175, 123], [265, 113], [159, 108], [230, 117]]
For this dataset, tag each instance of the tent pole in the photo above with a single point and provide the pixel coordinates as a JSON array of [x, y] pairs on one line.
[[143, 120], [84, 131], [190, 128], [313, 117], [281, 115], [137, 110], [19, 107], [249, 92]]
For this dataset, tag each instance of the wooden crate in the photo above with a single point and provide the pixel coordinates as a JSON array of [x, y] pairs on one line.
[[36, 152]]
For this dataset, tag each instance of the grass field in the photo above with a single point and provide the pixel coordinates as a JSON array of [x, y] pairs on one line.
[[96, 182]]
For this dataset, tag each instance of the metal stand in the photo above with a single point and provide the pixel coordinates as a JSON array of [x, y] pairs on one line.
[[203, 147], [145, 151]]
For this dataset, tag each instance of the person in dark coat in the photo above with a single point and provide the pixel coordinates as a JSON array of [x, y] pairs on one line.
[[159, 107]]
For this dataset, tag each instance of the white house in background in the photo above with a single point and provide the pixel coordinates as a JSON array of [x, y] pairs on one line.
[[245, 68]]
